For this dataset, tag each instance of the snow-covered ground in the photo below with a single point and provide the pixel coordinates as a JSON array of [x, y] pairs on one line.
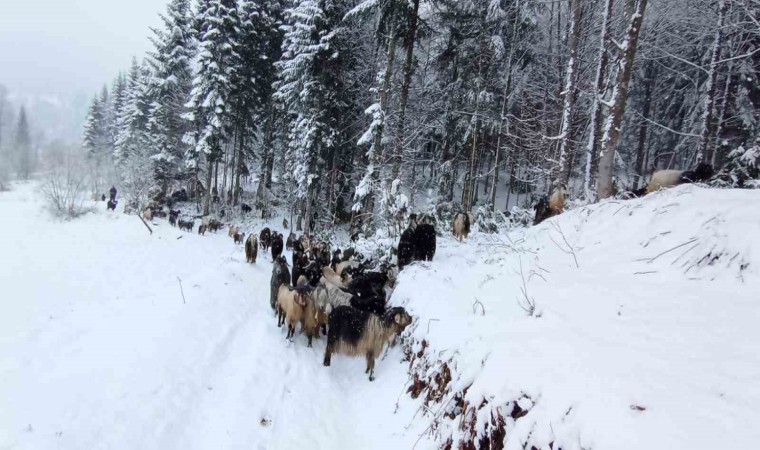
[[650, 341], [98, 350], [647, 342]]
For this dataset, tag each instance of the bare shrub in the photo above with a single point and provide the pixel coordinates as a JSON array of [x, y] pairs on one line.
[[64, 189]]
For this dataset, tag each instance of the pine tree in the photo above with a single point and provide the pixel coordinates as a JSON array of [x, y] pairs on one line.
[[97, 132], [210, 97], [309, 88], [171, 83], [23, 146], [132, 120]]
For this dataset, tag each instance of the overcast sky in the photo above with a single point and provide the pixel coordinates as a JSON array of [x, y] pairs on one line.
[[62, 47]]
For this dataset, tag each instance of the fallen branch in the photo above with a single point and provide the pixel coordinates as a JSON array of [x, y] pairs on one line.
[[431, 320], [181, 290], [144, 223]]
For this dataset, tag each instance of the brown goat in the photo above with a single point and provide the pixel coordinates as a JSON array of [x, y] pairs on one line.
[[314, 318], [462, 224], [332, 277], [290, 308]]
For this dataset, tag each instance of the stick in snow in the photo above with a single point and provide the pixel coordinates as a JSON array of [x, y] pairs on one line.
[[145, 223], [181, 290]]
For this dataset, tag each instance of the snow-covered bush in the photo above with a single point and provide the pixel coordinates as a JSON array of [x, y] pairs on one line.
[[741, 170], [394, 205], [65, 190]]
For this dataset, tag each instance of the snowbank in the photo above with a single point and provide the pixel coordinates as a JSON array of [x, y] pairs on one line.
[[644, 332]]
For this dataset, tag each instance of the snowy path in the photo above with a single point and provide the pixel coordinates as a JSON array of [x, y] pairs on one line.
[[97, 349]]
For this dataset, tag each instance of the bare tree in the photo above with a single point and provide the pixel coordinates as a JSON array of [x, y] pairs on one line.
[[627, 49]]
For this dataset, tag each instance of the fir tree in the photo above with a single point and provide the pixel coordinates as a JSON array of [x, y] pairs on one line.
[[171, 83], [23, 146], [309, 88], [210, 97]]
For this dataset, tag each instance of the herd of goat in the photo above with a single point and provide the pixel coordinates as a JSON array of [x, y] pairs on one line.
[[335, 292], [332, 292]]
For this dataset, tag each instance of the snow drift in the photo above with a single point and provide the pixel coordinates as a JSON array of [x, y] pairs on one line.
[[625, 325]]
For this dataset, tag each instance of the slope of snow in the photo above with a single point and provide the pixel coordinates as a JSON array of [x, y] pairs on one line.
[[649, 340], [98, 350]]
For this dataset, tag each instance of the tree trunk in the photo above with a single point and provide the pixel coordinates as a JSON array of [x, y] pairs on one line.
[[604, 187], [409, 40], [706, 147], [206, 196], [571, 76], [469, 181], [377, 145], [595, 134], [641, 152], [236, 168]]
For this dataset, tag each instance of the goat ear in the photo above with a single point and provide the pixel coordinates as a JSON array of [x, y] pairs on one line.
[[397, 319]]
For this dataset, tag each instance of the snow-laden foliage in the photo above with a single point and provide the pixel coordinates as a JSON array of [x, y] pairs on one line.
[[741, 169], [170, 85]]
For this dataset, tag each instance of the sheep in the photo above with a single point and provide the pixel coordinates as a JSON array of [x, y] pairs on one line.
[[251, 248], [332, 277], [424, 242], [265, 238], [668, 178], [239, 237], [280, 276], [276, 245], [359, 333], [290, 308], [202, 230], [462, 223]]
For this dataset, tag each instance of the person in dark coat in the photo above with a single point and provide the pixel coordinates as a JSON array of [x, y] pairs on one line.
[[112, 192]]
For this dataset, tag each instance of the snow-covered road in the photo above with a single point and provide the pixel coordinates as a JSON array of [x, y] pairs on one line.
[[99, 351]]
